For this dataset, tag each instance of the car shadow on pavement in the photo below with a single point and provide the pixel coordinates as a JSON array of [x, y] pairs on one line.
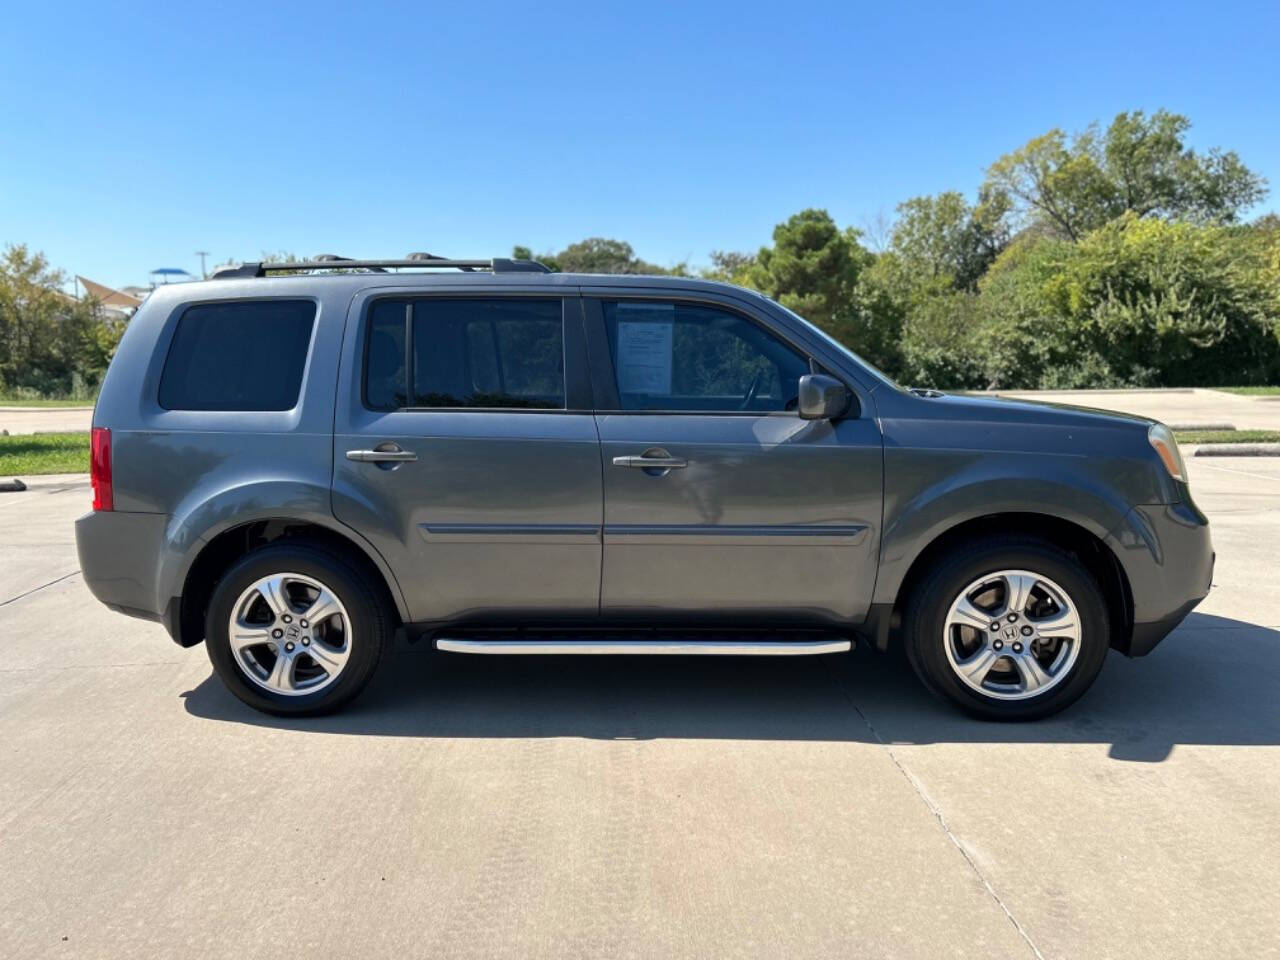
[[1212, 682]]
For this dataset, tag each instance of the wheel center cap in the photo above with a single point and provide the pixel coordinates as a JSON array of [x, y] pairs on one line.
[[1011, 632], [292, 632]]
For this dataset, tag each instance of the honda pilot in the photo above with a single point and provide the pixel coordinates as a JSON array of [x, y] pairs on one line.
[[292, 462]]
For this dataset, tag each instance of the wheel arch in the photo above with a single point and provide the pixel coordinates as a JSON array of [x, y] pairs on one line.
[[1092, 551], [195, 584]]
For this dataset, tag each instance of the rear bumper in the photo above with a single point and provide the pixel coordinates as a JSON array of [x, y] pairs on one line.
[[118, 553], [1167, 556]]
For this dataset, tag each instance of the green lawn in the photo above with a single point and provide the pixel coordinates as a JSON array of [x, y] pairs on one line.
[[42, 402], [1227, 436], [29, 455], [1252, 391]]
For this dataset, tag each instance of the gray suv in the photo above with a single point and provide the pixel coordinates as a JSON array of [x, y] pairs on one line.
[[292, 462]]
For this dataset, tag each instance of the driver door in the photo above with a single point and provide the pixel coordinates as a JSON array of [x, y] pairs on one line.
[[720, 503]]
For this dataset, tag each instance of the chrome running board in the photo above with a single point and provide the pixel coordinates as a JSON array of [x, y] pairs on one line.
[[632, 647]]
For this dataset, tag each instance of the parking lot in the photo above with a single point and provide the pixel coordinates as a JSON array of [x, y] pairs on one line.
[[481, 807]]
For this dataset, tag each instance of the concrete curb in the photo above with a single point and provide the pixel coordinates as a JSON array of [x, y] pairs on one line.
[[41, 480], [1238, 450], [1187, 427]]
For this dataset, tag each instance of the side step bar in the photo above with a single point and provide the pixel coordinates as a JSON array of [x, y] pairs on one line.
[[682, 647]]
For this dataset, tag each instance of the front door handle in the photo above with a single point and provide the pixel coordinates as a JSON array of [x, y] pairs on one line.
[[656, 460], [383, 453]]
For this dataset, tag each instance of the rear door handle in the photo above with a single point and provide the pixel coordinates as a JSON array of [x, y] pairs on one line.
[[651, 463], [382, 453]]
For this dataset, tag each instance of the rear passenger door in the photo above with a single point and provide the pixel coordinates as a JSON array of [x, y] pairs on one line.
[[466, 451]]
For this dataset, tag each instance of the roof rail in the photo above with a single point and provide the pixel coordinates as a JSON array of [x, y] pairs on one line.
[[334, 257], [421, 256], [414, 261]]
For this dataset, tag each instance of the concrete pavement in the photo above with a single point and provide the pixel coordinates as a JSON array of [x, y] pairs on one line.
[[45, 419], [480, 807]]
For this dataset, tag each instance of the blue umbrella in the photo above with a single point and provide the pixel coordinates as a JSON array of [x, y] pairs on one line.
[[168, 272]]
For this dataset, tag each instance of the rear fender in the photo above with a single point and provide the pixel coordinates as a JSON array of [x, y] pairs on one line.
[[197, 523]]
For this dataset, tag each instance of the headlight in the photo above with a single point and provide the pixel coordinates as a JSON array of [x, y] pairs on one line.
[[1161, 438]]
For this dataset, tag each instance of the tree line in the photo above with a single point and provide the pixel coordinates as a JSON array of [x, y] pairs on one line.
[[1110, 257], [51, 344]]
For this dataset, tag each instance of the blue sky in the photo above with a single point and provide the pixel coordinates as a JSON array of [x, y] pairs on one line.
[[134, 135]]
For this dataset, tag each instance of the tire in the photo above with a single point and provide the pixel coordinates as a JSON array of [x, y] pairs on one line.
[[960, 624], [328, 662]]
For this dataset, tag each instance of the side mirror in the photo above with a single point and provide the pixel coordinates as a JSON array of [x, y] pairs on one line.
[[822, 397]]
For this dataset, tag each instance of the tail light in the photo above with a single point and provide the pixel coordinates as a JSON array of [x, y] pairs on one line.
[[100, 468]]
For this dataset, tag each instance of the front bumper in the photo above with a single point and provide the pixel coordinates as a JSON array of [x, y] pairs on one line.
[[1167, 556]]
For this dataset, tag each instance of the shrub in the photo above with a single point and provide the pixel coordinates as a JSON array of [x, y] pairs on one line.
[[1135, 303]]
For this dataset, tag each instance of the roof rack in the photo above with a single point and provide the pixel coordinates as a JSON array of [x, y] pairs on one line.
[[329, 261]]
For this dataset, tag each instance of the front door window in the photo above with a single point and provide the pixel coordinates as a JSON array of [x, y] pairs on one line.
[[675, 356]]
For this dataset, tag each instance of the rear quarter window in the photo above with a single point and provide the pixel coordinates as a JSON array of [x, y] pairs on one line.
[[244, 355]]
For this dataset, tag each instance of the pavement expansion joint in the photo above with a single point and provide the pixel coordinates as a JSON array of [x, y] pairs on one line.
[[27, 593], [937, 814]]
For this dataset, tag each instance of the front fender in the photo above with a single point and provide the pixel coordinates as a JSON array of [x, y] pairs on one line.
[[928, 492]]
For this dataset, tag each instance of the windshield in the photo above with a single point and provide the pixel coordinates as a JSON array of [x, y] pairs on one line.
[[837, 345]]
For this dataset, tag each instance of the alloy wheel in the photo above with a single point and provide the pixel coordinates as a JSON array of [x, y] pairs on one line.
[[290, 634], [1012, 635]]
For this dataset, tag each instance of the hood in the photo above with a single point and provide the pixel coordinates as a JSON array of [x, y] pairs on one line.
[[991, 408]]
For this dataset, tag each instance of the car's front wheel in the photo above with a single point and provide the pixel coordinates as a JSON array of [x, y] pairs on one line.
[[294, 629], [1008, 628]]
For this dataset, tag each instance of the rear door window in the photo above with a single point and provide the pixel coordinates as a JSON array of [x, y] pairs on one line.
[[242, 355], [465, 353]]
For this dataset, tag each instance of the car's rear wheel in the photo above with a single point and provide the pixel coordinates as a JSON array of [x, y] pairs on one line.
[[294, 629], [1008, 628]]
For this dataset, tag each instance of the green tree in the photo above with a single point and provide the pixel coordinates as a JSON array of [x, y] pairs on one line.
[[1172, 304], [49, 342], [812, 268], [940, 345], [919, 296], [595, 255], [519, 252], [1141, 165], [1024, 341], [943, 236], [924, 328], [1135, 303], [1265, 235], [729, 266]]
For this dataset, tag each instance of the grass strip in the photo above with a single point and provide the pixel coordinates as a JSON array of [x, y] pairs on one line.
[[1227, 436], [31, 455]]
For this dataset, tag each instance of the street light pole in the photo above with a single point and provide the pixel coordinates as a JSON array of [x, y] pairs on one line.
[[204, 274]]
